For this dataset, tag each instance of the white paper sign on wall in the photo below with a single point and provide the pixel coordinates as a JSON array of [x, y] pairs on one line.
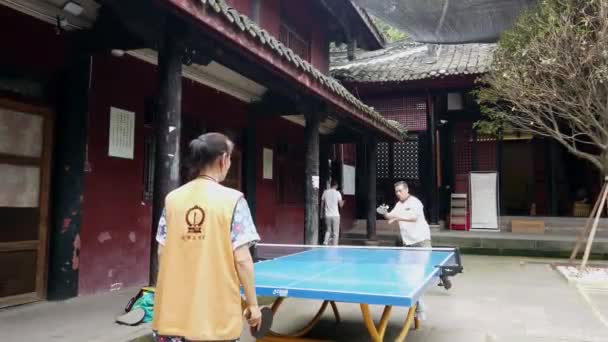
[[267, 171], [122, 133], [348, 179], [315, 182]]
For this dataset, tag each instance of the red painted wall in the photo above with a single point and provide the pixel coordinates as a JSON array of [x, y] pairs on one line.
[[278, 222], [270, 16], [243, 6], [18, 51], [211, 109], [320, 46], [116, 224], [298, 14], [116, 227]]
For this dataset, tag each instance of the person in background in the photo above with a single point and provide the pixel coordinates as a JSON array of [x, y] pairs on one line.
[[204, 237], [331, 202]]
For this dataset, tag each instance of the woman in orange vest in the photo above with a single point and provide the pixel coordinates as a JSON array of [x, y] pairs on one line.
[[204, 237]]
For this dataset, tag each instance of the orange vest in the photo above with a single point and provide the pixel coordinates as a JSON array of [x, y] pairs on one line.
[[198, 289]]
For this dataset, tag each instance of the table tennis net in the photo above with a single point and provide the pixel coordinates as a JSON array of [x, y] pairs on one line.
[[268, 251], [272, 251]]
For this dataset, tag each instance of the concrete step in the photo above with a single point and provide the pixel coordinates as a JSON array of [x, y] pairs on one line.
[[569, 226], [492, 242]]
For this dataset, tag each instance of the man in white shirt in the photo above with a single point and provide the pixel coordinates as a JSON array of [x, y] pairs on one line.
[[409, 213], [331, 201], [413, 227]]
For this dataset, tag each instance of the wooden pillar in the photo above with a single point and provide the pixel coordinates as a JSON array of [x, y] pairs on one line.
[[311, 137], [250, 164], [434, 205], [323, 164], [372, 149], [351, 49], [68, 178], [499, 151], [361, 181], [167, 126]]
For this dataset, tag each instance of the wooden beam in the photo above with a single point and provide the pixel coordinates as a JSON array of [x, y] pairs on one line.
[[109, 32], [432, 120], [372, 149], [275, 105], [143, 19], [167, 126], [361, 185], [234, 60], [311, 136], [340, 16], [346, 133]]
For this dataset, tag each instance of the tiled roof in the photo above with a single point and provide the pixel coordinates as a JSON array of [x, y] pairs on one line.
[[262, 37], [408, 61]]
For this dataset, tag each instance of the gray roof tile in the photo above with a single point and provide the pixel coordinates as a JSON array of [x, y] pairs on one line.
[[408, 61], [243, 23]]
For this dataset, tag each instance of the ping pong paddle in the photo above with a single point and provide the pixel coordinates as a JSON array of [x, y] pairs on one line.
[[382, 210], [265, 325]]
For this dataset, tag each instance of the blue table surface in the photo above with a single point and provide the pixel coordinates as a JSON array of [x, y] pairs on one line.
[[372, 276]]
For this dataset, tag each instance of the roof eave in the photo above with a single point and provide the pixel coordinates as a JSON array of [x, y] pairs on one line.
[[377, 38], [303, 74]]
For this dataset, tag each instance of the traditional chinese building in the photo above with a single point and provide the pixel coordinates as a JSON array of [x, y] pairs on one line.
[[99, 99], [427, 88]]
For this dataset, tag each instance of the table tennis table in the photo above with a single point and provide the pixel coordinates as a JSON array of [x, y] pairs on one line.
[[387, 276]]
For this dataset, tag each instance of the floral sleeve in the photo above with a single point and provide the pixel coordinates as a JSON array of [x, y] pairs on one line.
[[243, 228], [161, 233]]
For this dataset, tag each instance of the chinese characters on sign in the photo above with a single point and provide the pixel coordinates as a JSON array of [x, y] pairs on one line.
[[122, 133]]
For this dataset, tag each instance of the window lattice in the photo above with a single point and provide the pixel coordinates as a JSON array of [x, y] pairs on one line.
[[410, 112], [462, 133], [486, 155], [382, 162], [405, 162]]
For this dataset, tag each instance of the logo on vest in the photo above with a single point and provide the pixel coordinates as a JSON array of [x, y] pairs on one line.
[[195, 217]]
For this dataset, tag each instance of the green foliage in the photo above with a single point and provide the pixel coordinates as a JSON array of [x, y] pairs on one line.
[[390, 33], [550, 77]]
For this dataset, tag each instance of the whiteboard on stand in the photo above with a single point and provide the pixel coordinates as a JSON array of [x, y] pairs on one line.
[[484, 201]]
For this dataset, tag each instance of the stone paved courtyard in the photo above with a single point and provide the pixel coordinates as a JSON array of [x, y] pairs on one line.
[[496, 299]]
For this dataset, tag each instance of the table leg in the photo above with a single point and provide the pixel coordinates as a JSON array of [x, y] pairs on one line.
[[376, 333], [296, 336], [408, 323], [334, 307]]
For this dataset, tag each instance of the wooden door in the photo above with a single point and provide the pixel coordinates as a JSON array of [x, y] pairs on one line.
[[25, 155]]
